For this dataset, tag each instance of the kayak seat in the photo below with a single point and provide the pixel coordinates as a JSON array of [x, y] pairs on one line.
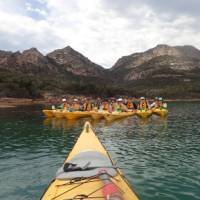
[[89, 163]]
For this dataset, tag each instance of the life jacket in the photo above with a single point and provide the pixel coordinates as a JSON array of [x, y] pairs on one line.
[[106, 106], [143, 105], [65, 107], [130, 105], [88, 106]]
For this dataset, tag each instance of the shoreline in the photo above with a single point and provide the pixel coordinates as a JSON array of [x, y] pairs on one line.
[[14, 102]]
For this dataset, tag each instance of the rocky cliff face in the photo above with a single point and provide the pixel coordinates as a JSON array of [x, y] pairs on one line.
[[30, 61], [62, 60], [76, 63], [161, 61]]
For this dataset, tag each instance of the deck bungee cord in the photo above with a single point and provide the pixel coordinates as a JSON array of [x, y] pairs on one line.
[[89, 180]]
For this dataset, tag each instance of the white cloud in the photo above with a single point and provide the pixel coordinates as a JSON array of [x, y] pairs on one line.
[[101, 33]]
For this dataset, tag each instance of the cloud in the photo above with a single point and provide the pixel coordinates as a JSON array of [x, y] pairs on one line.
[[103, 30]]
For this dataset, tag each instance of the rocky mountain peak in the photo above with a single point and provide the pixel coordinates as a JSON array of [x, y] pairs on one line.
[[137, 59], [32, 52], [75, 62], [31, 56]]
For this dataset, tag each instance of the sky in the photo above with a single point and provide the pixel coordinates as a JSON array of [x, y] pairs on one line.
[[102, 30]]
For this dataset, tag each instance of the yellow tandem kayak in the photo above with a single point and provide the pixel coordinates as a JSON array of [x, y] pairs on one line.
[[48, 113], [97, 114], [160, 112], [117, 115], [89, 173], [76, 115], [144, 113], [59, 114]]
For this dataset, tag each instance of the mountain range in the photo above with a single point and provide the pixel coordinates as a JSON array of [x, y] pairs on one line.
[[169, 71]]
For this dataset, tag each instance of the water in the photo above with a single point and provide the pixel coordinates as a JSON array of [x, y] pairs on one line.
[[160, 158]]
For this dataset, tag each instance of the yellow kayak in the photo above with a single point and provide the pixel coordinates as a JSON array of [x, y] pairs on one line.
[[48, 113], [76, 115], [160, 112], [117, 115], [89, 173], [59, 113], [97, 114], [144, 113]]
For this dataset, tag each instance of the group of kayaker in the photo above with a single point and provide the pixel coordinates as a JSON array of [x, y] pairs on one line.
[[110, 105]]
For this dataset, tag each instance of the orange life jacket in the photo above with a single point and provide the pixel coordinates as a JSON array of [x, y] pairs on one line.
[[143, 105], [130, 105]]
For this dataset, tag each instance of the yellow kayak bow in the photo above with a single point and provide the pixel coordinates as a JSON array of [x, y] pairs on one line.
[[89, 173]]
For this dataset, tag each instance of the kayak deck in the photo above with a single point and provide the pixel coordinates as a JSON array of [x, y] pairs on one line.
[[92, 187]]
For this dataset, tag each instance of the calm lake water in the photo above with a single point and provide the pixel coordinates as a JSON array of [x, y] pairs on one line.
[[160, 158]]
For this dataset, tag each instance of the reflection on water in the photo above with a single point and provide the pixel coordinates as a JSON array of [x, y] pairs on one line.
[[59, 123], [159, 156]]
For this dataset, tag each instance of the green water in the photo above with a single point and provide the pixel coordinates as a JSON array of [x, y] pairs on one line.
[[160, 158]]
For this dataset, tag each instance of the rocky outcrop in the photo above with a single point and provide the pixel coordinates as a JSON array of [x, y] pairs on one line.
[[76, 63], [157, 62], [59, 61], [30, 61]]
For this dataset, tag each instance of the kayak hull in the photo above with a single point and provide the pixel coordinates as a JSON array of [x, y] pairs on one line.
[[144, 113], [76, 115], [93, 187], [58, 114], [114, 116], [96, 115], [48, 113], [160, 112]]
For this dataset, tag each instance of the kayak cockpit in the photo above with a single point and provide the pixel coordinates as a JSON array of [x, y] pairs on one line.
[[85, 165]]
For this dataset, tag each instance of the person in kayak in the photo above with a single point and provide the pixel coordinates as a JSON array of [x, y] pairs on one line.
[[61, 106], [155, 104], [143, 104], [110, 108], [75, 105], [97, 104], [134, 104], [131, 104], [123, 107], [88, 105], [162, 104], [105, 106]]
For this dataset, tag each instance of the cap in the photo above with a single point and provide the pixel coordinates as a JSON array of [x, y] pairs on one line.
[[63, 99], [142, 98]]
